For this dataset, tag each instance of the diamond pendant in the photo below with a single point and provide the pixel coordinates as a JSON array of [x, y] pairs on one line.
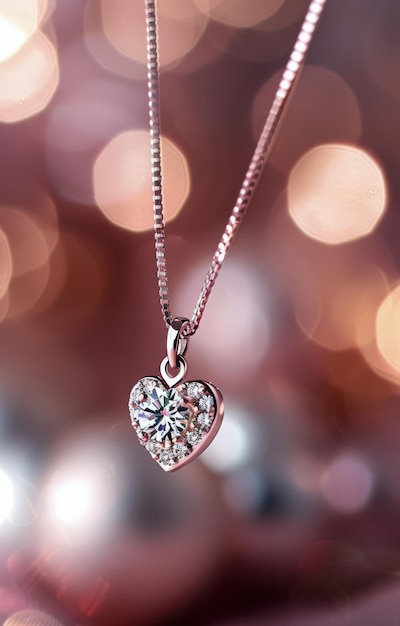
[[175, 420]]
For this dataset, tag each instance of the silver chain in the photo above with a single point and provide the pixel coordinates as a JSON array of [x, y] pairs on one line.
[[261, 153]]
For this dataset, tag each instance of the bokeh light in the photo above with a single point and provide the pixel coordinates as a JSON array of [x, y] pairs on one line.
[[29, 240], [87, 116], [336, 193], [237, 13], [324, 105], [45, 216], [239, 341], [5, 264], [28, 79], [334, 291], [335, 306], [44, 9], [172, 15], [306, 472], [180, 29], [24, 510], [31, 617], [28, 245], [81, 120], [122, 180], [78, 495], [234, 444], [26, 290], [13, 38], [18, 21], [4, 304], [388, 328], [300, 334], [72, 501], [6, 496], [287, 14], [347, 484], [101, 49]]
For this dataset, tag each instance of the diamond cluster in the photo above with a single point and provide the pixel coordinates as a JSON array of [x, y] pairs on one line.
[[170, 422]]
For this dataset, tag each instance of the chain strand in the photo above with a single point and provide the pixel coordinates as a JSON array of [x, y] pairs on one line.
[[257, 163]]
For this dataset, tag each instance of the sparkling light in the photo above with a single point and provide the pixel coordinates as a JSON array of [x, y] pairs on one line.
[[28, 79], [18, 21], [336, 193], [122, 180], [78, 497], [6, 496], [238, 13], [233, 445], [347, 484], [72, 501], [388, 328], [12, 37]]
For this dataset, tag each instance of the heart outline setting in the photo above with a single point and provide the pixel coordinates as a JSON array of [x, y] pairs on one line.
[[175, 423]]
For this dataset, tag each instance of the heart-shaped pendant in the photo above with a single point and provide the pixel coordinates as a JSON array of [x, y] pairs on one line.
[[175, 420], [175, 423]]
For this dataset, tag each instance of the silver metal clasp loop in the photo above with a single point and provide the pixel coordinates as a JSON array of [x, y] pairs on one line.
[[177, 342]]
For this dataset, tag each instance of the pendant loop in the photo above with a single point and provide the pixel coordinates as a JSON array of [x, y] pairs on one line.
[[177, 343], [173, 380]]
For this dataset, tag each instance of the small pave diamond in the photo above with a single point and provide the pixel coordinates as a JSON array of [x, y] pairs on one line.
[[149, 384], [166, 457], [193, 437], [152, 447], [180, 450], [134, 416], [205, 420], [206, 402], [195, 389]]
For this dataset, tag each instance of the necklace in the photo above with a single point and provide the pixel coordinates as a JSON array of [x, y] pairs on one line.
[[177, 420]]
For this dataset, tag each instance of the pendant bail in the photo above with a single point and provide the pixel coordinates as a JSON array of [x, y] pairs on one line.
[[177, 343]]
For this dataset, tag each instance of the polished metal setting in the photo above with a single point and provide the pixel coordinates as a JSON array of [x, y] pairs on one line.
[[173, 380], [177, 343], [175, 423]]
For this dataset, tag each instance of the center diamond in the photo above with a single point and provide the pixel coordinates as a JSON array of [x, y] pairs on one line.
[[162, 415]]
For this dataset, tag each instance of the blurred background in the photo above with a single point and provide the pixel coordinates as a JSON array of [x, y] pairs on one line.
[[292, 516]]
